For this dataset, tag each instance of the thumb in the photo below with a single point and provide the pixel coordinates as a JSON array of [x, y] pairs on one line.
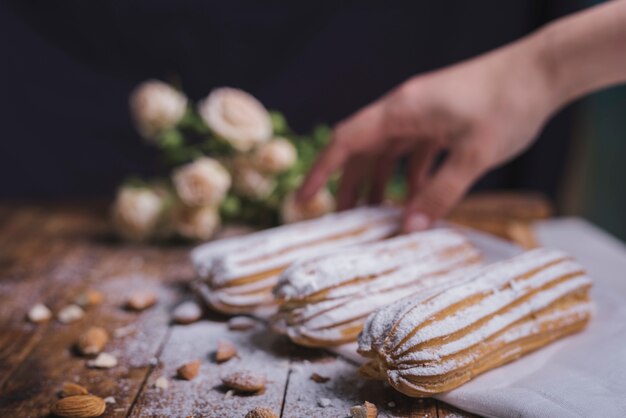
[[443, 191]]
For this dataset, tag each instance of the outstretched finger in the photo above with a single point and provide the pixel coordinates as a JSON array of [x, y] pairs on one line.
[[353, 177], [420, 165], [443, 191], [358, 135]]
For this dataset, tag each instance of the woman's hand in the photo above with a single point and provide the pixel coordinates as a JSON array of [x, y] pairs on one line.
[[482, 112]]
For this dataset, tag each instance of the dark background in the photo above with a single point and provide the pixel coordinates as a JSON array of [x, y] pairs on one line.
[[68, 67]]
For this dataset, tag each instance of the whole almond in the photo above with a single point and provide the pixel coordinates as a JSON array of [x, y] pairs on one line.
[[244, 381], [72, 389], [261, 412], [318, 378], [225, 351], [241, 323], [80, 406], [367, 410], [187, 313], [141, 300], [89, 298], [92, 341], [189, 370]]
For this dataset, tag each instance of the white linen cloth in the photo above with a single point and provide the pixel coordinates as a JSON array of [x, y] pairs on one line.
[[581, 376]]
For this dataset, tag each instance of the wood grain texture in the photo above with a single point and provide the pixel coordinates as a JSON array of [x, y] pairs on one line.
[[50, 253]]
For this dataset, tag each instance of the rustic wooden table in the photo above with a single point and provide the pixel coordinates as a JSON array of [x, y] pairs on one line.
[[51, 253]]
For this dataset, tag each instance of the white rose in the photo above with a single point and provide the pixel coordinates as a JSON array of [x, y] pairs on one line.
[[247, 181], [275, 156], [237, 117], [198, 223], [155, 107], [320, 204], [136, 212], [201, 183]]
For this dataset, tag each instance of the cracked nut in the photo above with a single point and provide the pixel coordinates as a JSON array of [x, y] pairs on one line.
[[39, 313], [70, 313]]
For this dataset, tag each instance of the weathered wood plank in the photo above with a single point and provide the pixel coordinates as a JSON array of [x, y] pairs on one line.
[[449, 411], [345, 389], [258, 351], [31, 384]]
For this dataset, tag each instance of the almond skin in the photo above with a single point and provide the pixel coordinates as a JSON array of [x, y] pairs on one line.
[[72, 389], [244, 381], [80, 406], [189, 370], [261, 412], [92, 341], [225, 351]]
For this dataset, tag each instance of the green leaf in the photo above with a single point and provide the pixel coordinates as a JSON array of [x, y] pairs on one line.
[[279, 123]]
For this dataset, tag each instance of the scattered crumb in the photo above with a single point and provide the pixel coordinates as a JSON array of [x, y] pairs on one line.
[[241, 323], [187, 313], [162, 383], [119, 409], [367, 410], [39, 313], [109, 399], [229, 394], [323, 402], [124, 331], [69, 314], [89, 298], [103, 361], [154, 362], [391, 404], [319, 378]]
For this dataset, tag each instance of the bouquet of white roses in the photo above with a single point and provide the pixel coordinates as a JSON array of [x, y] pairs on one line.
[[231, 160]]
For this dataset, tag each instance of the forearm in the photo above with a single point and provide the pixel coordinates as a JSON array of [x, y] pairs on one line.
[[584, 52]]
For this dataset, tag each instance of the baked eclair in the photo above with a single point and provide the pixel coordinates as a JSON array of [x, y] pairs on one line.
[[324, 301], [431, 344], [239, 273]]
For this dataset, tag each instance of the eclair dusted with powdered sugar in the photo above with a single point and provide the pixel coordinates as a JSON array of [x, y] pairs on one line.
[[325, 300], [435, 343], [241, 272]]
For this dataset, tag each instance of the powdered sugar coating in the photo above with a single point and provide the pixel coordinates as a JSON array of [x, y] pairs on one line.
[[326, 299], [435, 335], [242, 271]]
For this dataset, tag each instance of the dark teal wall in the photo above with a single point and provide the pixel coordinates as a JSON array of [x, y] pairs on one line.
[[605, 183]]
